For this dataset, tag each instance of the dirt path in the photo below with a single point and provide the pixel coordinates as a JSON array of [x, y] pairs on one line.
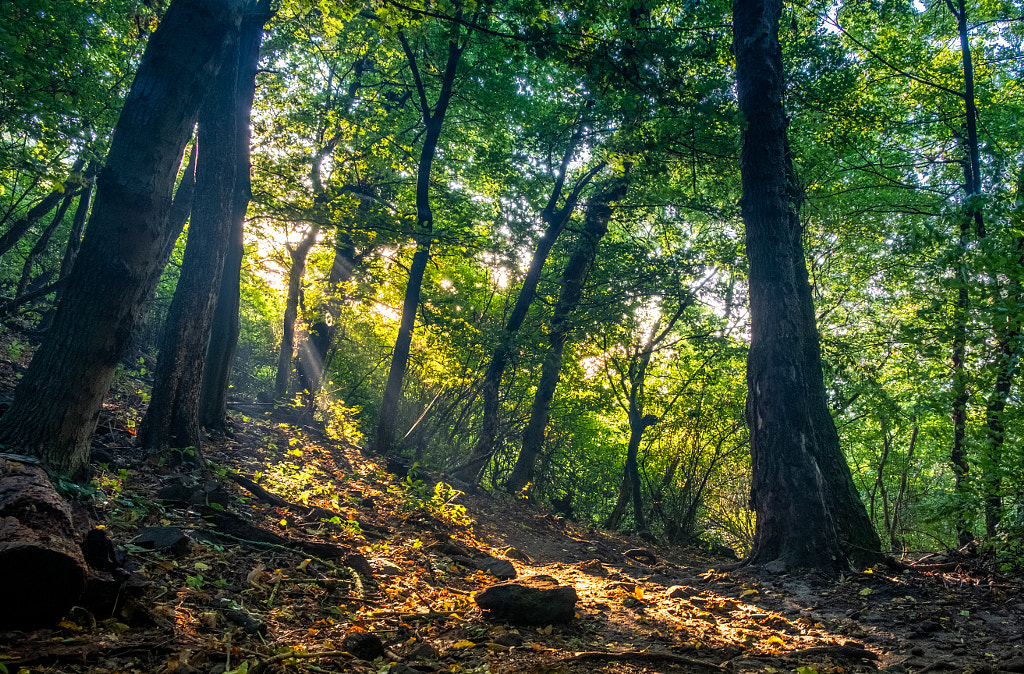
[[331, 564]]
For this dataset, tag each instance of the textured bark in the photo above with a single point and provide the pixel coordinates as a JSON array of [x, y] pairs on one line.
[[384, 436], [808, 512], [172, 418], [220, 354], [40, 558], [595, 226], [57, 403]]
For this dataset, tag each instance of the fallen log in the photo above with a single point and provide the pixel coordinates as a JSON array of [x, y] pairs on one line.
[[41, 562]]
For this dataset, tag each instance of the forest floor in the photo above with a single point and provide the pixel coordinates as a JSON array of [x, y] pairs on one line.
[[330, 563]]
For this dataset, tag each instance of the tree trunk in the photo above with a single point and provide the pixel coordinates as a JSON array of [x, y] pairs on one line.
[[13, 235], [595, 226], [556, 221], [291, 311], [40, 558], [313, 353], [57, 403], [220, 354], [44, 239], [172, 418], [808, 511], [384, 437]]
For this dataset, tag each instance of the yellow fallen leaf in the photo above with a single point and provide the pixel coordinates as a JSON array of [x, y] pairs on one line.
[[748, 593], [865, 592], [304, 564], [463, 644]]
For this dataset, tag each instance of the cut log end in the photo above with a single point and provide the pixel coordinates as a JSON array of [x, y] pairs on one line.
[[39, 586]]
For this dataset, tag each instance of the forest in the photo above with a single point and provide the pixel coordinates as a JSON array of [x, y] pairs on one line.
[[736, 278]]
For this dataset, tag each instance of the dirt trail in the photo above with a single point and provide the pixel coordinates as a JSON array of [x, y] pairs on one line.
[[328, 563]]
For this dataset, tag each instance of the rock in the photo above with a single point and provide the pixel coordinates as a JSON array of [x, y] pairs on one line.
[[538, 600], [169, 539], [359, 564], [98, 551], [518, 555], [363, 645], [594, 568], [641, 555], [385, 569], [177, 493], [422, 651], [917, 650], [929, 626], [681, 592], [510, 639], [499, 568]]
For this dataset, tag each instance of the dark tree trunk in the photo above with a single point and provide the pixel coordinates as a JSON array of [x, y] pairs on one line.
[[57, 403], [384, 436], [220, 355], [808, 512], [67, 262], [1007, 328], [13, 235], [556, 219], [172, 418], [595, 226], [973, 215], [44, 239], [313, 352], [291, 311]]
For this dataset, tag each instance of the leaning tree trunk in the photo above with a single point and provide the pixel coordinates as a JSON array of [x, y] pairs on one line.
[[801, 487], [57, 403], [172, 418], [220, 354], [599, 213], [43, 241], [291, 311], [556, 219], [21, 226], [384, 435]]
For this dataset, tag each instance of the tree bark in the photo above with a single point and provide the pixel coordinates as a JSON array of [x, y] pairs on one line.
[[808, 512], [56, 405], [384, 436], [67, 262], [40, 557], [172, 418], [220, 354], [595, 226]]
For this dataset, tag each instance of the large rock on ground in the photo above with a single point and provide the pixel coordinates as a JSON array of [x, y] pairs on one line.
[[538, 600]]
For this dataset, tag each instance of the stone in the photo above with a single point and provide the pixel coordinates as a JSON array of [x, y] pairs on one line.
[[359, 564], [510, 639], [169, 539], [499, 568], [363, 645], [538, 600], [681, 592]]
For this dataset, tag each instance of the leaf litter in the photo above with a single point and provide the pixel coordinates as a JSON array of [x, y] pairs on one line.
[[304, 555]]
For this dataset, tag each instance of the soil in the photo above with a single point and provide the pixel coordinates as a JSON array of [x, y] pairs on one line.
[[331, 563]]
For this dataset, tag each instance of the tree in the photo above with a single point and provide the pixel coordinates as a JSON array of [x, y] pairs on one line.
[[433, 122], [595, 226], [808, 511], [220, 354], [56, 405]]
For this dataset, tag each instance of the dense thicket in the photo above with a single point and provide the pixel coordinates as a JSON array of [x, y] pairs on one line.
[[504, 240]]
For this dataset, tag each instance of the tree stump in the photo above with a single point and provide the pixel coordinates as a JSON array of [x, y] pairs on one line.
[[41, 562]]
